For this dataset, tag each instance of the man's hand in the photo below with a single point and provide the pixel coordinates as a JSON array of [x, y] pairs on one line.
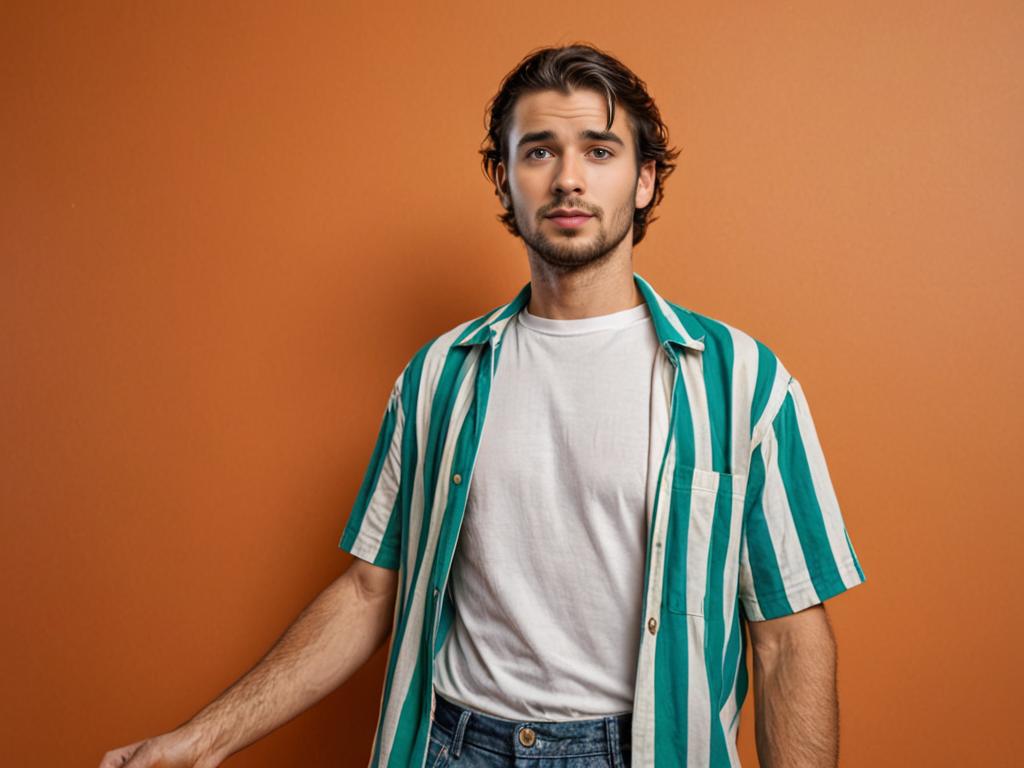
[[177, 749]]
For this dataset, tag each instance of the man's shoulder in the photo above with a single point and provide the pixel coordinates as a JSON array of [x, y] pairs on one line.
[[724, 339], [428, 360], [745, 368]]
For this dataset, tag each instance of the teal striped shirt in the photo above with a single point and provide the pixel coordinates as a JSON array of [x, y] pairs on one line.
[[743, 524]]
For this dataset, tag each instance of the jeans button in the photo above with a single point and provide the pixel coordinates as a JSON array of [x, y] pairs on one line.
[[527, 737]]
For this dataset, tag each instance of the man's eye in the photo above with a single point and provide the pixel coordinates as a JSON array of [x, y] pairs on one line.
[[605, 156]]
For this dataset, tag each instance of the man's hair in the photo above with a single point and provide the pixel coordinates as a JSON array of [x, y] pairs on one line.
[[581, 66]]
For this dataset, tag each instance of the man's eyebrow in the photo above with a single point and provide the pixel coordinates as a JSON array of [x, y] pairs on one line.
[[593, 135]]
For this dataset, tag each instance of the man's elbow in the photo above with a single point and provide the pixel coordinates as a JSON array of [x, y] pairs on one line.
[[806, 631]]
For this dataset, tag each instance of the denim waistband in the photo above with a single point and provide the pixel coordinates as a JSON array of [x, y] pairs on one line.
[[569, 738]]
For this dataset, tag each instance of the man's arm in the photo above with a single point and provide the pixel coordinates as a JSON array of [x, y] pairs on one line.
[[796, 703], [332, 637]]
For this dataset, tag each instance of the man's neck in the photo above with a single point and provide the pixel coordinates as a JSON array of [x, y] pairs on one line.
[[583, 293]]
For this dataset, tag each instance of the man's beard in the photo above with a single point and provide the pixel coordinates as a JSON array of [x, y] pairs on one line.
[[576, 250]]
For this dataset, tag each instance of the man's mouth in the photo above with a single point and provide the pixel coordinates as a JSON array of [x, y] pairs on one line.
[[569, 217]]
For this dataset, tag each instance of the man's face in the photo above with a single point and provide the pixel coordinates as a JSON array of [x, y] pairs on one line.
[[561, 157]]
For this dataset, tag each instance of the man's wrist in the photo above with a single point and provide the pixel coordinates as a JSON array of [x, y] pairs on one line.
[[206, 740]]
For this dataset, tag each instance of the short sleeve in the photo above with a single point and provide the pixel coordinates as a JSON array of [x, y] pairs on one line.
[[794, 550], [374, 528]]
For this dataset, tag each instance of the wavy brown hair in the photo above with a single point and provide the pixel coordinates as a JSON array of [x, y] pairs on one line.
[[581, 66]]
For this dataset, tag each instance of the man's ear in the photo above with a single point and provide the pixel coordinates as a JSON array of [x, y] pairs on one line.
[[645, 183], [501, 183]]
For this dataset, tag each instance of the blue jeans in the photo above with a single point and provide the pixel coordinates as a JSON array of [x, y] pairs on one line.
[[469, 739]]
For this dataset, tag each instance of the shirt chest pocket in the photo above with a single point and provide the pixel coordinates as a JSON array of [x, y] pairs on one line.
[[701, 551]]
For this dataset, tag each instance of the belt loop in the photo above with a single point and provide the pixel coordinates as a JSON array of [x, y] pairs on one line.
[[460, 728], [612, 729]]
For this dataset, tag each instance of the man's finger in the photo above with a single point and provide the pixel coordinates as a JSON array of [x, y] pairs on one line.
[[117, 758]]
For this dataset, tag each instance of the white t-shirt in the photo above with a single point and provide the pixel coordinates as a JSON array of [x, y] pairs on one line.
[[547, 576]]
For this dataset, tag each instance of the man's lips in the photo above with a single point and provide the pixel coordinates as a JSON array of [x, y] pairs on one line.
[[568, 213], [569, 218]]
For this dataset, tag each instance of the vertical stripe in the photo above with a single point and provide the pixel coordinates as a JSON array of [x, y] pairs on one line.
[[781, 527], [745, 370], [776, 394], [411, 444], [371, 532], [665, 679], [717, 367], [823, 490], [692, 419], [698, 705], [703, 500], [679, 660], [703, 484], [725, 397], [728, 716], [651, 708], [768, 374], [750, 583], [727, 499]]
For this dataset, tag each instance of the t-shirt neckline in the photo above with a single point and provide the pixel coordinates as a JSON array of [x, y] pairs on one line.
[[575, 326]]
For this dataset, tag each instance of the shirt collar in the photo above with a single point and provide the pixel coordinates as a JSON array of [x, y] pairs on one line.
[[674, 325]]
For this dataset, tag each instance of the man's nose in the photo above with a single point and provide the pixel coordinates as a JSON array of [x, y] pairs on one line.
[[569, 177]]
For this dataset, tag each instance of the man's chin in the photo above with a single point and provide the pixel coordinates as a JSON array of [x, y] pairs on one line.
[[567, 259]]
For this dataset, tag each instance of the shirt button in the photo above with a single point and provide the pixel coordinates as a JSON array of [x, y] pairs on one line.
[[527, 737], [457, 479], [652, 625]]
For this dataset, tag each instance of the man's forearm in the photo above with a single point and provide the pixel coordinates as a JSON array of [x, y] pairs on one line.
[[332, 637], [797, 706]]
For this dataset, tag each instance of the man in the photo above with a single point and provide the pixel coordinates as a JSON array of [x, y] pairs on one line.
[[629, 484]]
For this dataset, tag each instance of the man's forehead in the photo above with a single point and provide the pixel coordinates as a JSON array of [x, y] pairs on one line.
[[556, 111]]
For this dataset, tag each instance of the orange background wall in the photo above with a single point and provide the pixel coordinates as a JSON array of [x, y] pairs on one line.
[[203, 309]]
